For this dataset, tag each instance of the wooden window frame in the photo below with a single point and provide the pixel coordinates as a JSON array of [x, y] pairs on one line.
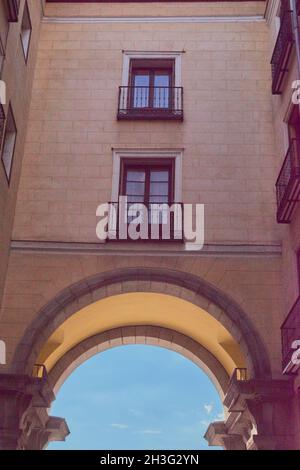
[[151, 66], [8, 174], [27, 49], [148, 164]]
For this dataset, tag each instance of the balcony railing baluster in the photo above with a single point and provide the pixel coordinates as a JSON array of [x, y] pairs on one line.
[[282, 51], [150, 103], [163, 224], [288, 184], [290, 331]]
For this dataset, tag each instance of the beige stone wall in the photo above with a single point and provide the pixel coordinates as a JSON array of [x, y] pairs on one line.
[[227, 134], [18, 77], [254, 282], [185, 8], [228, 161]]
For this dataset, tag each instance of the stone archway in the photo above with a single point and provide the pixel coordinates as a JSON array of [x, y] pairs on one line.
[[175, 283], [157, 336], [252, 401]]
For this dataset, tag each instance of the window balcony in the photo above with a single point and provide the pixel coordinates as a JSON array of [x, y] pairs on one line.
[[288, 184], [150, 103], [290, 332], [282, 52], [13, 10], [158, 222]]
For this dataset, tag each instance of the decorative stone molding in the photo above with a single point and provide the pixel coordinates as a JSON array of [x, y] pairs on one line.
[[259, 413], [217, 435], [24, 419]]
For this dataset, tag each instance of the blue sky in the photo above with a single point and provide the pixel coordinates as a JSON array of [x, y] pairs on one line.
[[137, 397]]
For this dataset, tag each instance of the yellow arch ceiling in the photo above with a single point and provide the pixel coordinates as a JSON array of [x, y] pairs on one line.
[[142, 308]]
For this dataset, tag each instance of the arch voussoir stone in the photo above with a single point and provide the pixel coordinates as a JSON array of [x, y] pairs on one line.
[[168, 281]]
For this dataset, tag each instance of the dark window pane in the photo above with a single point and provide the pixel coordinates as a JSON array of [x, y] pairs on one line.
[[159, 175], [161, 91], [142, 80], [157, 189], [135, 188], [141, 91], [161, 97], [136, 175], [162, 80]]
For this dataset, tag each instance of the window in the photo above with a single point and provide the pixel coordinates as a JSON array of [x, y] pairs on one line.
[[151, 83], [1, 55], [12, 10], [151, 87], [151, 182], [148, 182], [26, 30], [9, 141]]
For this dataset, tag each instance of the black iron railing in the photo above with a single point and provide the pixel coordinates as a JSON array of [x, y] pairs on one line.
[[282, 51], [290, 332], [150, 103], [13, 10], [288, 184], [156, 221]]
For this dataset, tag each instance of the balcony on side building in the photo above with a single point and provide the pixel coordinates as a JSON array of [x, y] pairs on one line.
[[12, 10], [150, 103], [288, 184], [290, 332], [282, 51]]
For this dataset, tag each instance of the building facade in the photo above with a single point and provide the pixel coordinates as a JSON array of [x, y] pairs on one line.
[[161, 102]]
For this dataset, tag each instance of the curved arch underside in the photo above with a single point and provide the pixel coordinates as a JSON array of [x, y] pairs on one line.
[[178, 286], [144, 309], [146, 335]]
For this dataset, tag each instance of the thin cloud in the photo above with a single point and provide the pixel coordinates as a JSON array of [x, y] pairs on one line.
[[150, 431], [135, 412], [119, 426], [208, 408]]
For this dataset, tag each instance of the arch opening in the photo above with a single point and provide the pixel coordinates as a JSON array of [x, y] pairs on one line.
[[167, 308], [137, 396]]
